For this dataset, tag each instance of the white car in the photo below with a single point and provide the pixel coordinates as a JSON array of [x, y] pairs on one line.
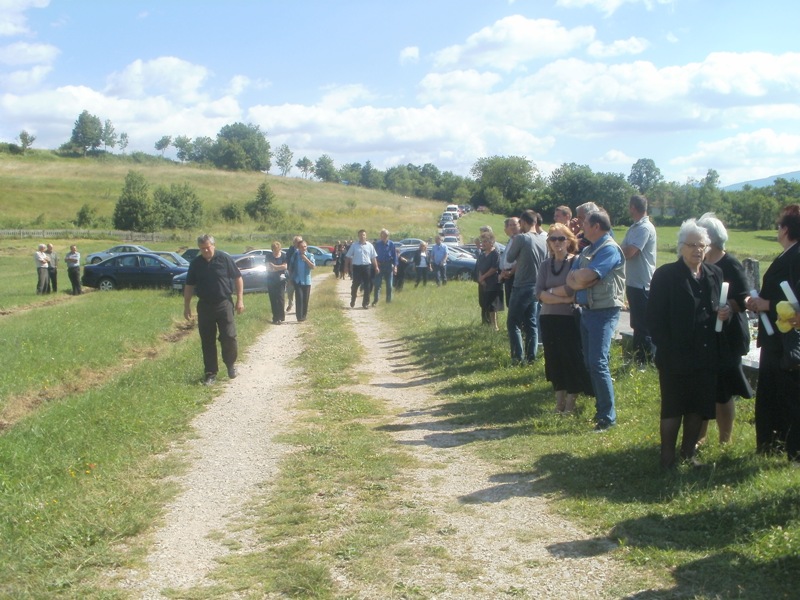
[[451, 240]]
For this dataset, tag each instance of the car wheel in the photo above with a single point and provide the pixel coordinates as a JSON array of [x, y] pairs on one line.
[[106, 284], [326, 263], [464, 275], [96, 260]]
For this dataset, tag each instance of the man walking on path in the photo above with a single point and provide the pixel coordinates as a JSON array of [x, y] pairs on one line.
[[439, 261], [387, 266], [528, 251], [597, 280], [639, 248], [215, 277], [361, 260]]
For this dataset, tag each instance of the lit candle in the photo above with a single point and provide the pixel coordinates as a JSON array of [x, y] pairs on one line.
[[723, 300], [764, 318]]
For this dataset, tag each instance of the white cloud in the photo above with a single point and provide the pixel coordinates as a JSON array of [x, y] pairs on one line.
[[616, 158], [409, 55], [514, 41], [167, 75], [448, 87], [21, 81], [609, 7], [338, 97], [12, 15], [23, 53], [633, 45], [238, 84]]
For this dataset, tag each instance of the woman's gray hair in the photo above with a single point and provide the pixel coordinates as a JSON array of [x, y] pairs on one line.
[[689, 227], [716, 230]]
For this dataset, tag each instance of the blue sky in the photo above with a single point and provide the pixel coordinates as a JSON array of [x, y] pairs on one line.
[[692, 84]]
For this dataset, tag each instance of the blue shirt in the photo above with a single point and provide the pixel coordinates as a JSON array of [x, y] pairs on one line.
[[438, 254], [301, 273], [602, 263], [386, 252]]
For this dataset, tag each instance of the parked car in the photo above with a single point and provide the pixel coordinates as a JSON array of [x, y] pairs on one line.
[[135, 269], [460, 265], [172, 257], [96, 257], [415, 242], [190, 253], [449, 229], [451, 240], [445, 218], [252, 267], [322, 258]]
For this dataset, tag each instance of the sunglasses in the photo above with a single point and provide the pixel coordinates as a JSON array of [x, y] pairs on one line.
[[559, 238]]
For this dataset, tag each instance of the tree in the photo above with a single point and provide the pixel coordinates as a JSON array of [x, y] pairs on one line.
[[202, 150], [134, 211], [86, 217], [183, 145], [123, 141], [242, 148], [350, 173], [108, 135], [87, 133], [232, 212], [164, 143], [25, 140], [262, 208], [371, 178], [283, 158], [306, 167], [645, 175], [177, 207], [514, 177], [325, 170]]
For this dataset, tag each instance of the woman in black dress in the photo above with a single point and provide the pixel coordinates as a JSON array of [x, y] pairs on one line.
[[276, 282], [681, 313], [487, 266]]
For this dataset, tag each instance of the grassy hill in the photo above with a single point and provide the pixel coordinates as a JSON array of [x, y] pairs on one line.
[[42, 190]]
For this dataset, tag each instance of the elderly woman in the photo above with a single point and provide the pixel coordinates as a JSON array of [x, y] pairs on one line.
[[490, 297], [561, 338], [422, 264], [276, 282], [735, 341], [778, 391], [681, 313]]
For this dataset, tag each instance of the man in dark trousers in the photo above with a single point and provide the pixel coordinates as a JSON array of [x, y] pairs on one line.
[[215, 277]]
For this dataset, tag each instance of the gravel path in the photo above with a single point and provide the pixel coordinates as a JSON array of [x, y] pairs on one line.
[[498, 522]]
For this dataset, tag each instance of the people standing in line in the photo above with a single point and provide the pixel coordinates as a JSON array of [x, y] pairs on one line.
[[561, 337], [778, 390], [42, 261], [289, 277], [597, 279], [438, 254], [387, 265], [490, 292], [422, 264], [682, 312], [215, 278], [362, 264], [301, 272], [277, 266], [52, 267], [639, 248], [735, 339], [73, 260], [528, 251], [507, 268]]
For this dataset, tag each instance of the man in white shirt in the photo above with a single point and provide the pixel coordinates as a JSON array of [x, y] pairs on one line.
[[360, 261]]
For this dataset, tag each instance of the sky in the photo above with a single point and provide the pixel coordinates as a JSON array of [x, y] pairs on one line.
[[692, 84]]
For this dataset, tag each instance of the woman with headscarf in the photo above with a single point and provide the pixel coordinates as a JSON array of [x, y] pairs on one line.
[[735, 341], [681, 313], [778, 390]]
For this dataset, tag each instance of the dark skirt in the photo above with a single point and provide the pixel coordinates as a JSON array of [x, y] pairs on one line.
[[731, 382], [688, 393], [491, 300], [563, 356]]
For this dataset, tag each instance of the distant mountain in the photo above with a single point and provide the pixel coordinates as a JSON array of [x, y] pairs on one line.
[[758, 183]]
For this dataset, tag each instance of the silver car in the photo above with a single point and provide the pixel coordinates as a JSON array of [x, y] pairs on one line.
[[96, 257]]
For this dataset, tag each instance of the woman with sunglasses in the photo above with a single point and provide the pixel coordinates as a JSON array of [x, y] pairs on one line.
[[561, 338]]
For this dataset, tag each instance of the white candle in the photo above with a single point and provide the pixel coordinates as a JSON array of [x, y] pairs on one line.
[[764, 318], [787, 290], [723, 300]]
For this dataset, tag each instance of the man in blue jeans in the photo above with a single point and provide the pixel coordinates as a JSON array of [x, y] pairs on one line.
[[529, 251], [438, 254], [597, 280], [387, 266]]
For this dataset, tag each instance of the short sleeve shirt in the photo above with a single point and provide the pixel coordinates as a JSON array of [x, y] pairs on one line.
[[214, 279], [639, 269]]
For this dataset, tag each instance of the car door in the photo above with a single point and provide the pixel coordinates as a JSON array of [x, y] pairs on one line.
[[126, 270], [154, 272], [254, 273]]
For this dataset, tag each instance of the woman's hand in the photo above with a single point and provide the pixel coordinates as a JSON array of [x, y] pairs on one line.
[[756, 304], [724, 313]]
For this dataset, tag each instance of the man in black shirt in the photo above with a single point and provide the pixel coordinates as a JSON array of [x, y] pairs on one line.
[[214, 276]]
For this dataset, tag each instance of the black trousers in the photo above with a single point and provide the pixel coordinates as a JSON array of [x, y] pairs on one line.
[[362, 274], [74, 274], [213, 317], [302, 293], [53, 273]]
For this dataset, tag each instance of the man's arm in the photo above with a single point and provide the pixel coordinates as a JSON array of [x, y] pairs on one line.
[[239, 294], [188, 292], [630, 251], [581, 279]]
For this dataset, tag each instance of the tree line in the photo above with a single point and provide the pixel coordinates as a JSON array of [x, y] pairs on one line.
[[503, 184]]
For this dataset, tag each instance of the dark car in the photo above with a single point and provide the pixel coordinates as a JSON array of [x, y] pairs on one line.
[[138, 269], [460, 264], [253, 268]]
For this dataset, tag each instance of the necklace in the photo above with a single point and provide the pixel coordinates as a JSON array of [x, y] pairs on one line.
[[553, 266]]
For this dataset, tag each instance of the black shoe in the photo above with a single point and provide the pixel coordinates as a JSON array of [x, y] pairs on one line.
[[352, 303], [210, 379], [232, 372], [374, 302], [602, 426]]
